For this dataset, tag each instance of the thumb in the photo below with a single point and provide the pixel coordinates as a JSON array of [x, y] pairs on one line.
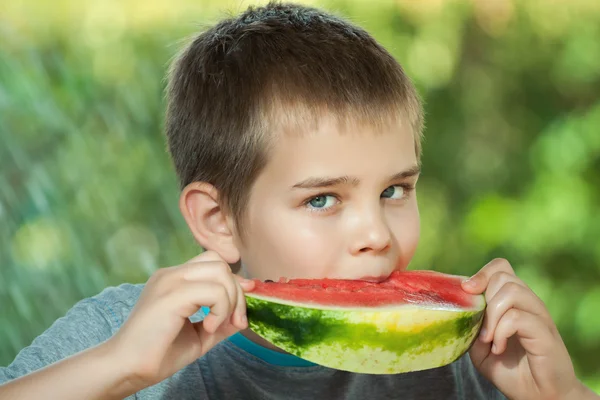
[[475, 284]]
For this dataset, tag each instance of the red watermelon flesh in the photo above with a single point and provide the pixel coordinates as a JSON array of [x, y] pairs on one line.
[[401, 287]]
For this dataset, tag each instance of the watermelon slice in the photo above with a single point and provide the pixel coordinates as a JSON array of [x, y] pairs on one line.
[[414, 320]]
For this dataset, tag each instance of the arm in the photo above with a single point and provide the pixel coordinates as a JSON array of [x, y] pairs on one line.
[[92, 374], [75, 347], [157, 339]]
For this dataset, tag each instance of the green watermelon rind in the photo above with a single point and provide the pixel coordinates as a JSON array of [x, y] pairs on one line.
[[349, 340]]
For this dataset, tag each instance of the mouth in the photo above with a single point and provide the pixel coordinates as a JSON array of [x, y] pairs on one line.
[[374, 279]]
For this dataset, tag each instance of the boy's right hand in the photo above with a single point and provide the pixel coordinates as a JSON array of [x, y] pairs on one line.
[[158, 339]]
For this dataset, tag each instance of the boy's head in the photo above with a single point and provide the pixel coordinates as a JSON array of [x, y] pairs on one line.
[[265, 107]]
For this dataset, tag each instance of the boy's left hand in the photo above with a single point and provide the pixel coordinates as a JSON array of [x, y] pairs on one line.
[[519, 349]]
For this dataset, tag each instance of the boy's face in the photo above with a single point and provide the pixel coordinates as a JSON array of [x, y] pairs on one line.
[[334, 204]]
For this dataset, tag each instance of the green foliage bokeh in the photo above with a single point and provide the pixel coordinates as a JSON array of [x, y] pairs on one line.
[[88, 197]]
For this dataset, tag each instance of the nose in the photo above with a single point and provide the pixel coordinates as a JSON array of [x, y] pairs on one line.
[[372, 235]]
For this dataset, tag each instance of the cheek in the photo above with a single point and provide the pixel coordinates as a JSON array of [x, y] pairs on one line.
[[289, 244], [312, 246], [406, 228]]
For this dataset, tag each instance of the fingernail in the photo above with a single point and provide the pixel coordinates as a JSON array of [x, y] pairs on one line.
[[470, 282], [482, 334], [244, 319], [494, 348], [247, 285]]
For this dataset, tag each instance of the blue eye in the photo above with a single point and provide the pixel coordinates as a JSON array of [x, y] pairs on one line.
[[393, 192], [321, 202]]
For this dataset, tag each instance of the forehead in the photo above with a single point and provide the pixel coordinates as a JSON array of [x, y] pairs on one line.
[[328, 147]]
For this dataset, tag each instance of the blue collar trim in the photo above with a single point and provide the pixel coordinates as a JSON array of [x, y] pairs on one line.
[[268, 355]]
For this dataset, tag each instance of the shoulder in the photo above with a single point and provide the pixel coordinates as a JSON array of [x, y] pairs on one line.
[[116, 302], [95, 319], [88, 323], [125, 293]]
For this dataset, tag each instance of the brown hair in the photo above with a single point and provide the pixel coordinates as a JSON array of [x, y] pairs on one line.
[[280, 66]]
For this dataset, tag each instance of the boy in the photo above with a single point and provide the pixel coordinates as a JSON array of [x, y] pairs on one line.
[[296, 138]]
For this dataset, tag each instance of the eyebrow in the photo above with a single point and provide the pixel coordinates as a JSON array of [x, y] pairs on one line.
[[323, 182], [409, 173]]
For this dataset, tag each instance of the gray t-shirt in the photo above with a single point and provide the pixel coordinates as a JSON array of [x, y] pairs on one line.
[[235, 369]]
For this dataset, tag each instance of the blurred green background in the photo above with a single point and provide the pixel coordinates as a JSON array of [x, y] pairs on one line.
[[88, 197]]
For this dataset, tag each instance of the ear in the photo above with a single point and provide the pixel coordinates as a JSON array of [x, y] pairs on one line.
[[208, 221]]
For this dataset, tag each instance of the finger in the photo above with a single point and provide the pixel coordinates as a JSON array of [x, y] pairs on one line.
[[478, 352], [239, 318], [188, 298], [533, 333], [235, 323], [511, 295], [174, 272], [499, 280], [212, 272], [205, 256], [478, 283], [246, 284], [211, 339]]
